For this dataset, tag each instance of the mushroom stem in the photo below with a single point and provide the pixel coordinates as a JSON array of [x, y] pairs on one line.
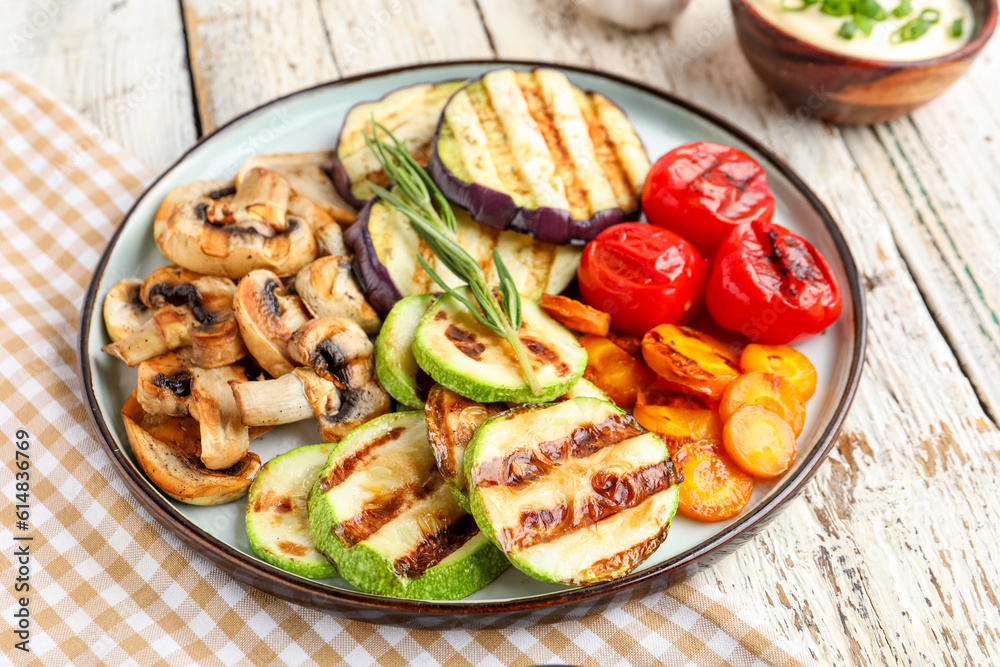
[[167, 330], [273, 402], [224, 438]]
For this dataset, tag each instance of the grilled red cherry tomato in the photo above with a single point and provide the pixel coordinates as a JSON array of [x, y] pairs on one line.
[[643, 276], [703, 191], [771, 285]]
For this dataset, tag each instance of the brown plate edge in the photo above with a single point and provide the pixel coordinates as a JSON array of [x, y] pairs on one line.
[[382, 609]]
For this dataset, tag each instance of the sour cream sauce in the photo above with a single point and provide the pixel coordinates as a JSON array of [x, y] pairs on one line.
[[815, 27]]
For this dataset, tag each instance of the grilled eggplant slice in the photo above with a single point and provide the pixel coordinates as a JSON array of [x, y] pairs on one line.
[[574, 492], [385, 251], [394, 362], [452, 420], [458, 351], [529, 151], [410, 113], [384, 514], [278, 512]]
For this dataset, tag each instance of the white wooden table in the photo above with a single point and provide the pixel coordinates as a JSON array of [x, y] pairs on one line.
[[891, 554]]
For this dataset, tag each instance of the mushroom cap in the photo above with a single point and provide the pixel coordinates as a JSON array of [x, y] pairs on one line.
[[267, 316], [124, 311], [357, 407], [198, 227], [329, 289], [309, 175], [337, 349], [164, 384], [168, 448]]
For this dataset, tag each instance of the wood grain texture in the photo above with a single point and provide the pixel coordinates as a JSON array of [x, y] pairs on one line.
[[886, 557], [133, 86], [244, 54]]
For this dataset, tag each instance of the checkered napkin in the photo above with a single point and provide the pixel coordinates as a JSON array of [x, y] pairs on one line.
[[107, 586]]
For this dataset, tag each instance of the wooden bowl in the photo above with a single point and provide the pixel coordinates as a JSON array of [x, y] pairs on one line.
[[813, 81]]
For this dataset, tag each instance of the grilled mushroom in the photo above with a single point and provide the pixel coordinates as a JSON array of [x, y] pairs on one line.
[[169, 385], [309, 176], [124, 311], [337, 349], [302, 394], [168, 450], [267, 316], [188, 309], [215, 228], [329, 289]]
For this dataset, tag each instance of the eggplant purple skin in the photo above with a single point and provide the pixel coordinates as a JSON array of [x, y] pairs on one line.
[[498, 209], [375, 280]]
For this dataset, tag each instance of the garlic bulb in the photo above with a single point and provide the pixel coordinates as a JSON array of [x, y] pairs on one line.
[[635, 14]]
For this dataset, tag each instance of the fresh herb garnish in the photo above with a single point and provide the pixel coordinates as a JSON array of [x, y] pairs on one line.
[[847, 30], [956, 28], [916, 28], [837, 7], [864, 23], [417, 197], [902, 9]]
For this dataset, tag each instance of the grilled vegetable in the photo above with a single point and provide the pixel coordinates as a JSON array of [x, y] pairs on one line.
[[410, 113], [461, 353], [394, 362], [585, 388], [384, 514], [531, 152], [278, 513], [574, 492], [714, 487], [385, 249]]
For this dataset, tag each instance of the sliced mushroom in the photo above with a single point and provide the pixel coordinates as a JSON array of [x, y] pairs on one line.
[[267, 315], [214, 228], [329, 235], [168, 448], [302, 394], [329, 289], [169, 385], [188, 309], [309, 175], [124, 311], [337, 349]]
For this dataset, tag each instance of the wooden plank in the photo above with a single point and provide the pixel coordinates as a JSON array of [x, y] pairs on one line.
[[886, 557], [122, 65], [244, 54], [377, 34]]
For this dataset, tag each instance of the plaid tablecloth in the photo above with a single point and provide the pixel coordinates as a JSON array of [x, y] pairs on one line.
[[103, 584]]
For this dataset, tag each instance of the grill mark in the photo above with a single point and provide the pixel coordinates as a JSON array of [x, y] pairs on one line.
[[182, 294], [612, 494], [179, 383], [465, 341], [521, 467], [624, 561], [497, 143], [435, 548], [422, 282], [292, 548], [451, 426], [386, 508], [545, 355], [607, 157], [270, 500], [345, 468], [565, 170]]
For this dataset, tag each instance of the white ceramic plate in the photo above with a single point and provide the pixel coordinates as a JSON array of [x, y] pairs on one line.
[[310, 120]]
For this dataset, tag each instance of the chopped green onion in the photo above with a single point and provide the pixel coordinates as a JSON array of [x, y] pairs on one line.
[[837, 7], [916, 28], [847, 30], [902, 9], [956, 28], [864, 24], [870, 9]]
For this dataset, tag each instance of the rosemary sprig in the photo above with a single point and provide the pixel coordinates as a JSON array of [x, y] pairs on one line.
[[417, 197]]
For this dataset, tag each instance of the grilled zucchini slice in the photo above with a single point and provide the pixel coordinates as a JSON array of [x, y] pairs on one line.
[[384, 514], [458, 351], [278, 513], [574, 492], [586, 388], [397, 369], [410, 113], [385, 251], [530, 151]]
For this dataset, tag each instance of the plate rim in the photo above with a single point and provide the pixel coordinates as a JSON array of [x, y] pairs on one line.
[[296, 589]]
